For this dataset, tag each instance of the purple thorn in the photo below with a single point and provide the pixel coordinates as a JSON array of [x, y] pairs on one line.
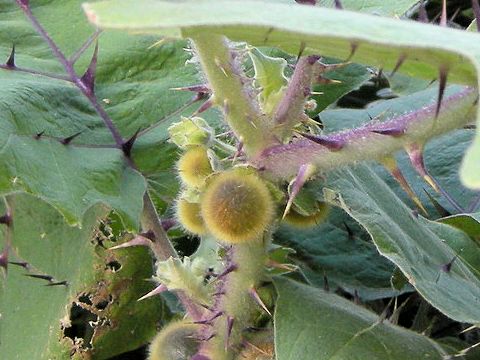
[[443, 17], [209, 321], [306, 2], [128, 144], [254, 294], [158, 290], [448, 266], [88, 79], [395, 132], [23, 3], [6, 219], [476, 12], [228, 270], [11, 59], [442, 83], [38, 276], [331, 144], [23, 264], [200, 357], [351, 235], [338, 5], [422, 13], [199, 88], [58, 283], [230, 321], [326, 285], [356, 297], [399, 63], [353, 50], [4, 258], [167, 224], [69, 139], [312, 59], [138, 240], [304, 173], [37, 136], [149, 234], [205, 106]]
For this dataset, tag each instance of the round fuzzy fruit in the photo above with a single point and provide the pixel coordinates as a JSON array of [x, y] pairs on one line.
[[190, 217], [305, 221], [237, 206], [175, 342], [194, 166]]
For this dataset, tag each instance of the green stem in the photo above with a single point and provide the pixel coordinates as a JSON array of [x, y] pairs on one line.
[[163, 249], [232, 91], [234, 300]]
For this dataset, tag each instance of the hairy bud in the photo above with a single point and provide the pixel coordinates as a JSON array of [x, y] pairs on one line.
[[190, 217], [194, 166], [175, 342], [237, 206]]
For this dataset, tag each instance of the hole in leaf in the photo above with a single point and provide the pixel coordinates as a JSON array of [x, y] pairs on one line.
[[81, 321], [114, 265]]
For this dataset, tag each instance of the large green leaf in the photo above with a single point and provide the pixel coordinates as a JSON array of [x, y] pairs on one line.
[[101, 295], [349, 261], [423, 250], [312, 324], [33, 313], [378, 41], [133, 84]]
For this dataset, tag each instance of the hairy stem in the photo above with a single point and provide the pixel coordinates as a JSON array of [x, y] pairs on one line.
[[372, 141], [291, 108], [234, 301], [232, 91]]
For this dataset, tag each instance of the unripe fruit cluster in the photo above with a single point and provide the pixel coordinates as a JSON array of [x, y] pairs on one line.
[[234, 206]]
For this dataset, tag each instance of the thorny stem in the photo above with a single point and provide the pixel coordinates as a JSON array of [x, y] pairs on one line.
[[35, 72], [67, 65], [372, 140], [233, 300], [232, 91], [291, 108], [163, 247]]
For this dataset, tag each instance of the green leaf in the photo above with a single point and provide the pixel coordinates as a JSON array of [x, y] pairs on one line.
[[350, 262], [411, 243], [133, 83], [312, 324], [324, 31], [32, 312], [469, 223], [102, 288], [72, 179]]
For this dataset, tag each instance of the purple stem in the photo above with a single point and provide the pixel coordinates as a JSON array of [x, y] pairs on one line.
[[71, 72], [35, 72], [474, 205], [283, 161]]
